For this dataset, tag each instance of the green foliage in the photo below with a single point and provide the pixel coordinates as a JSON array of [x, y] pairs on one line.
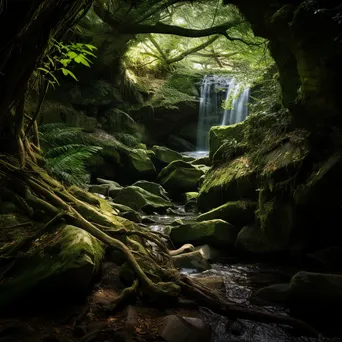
[[66, 151], [62, 56]]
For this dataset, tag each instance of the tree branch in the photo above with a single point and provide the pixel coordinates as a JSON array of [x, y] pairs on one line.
[[161, 28]]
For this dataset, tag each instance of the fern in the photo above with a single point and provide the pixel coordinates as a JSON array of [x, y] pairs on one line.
[[66, 151]]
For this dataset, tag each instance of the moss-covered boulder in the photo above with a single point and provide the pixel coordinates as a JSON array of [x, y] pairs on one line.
[[238, 213], [251, 239], [138, 165], [307, 291], [189, 196], [152, 187], [217, 233], [140, 199], [180, 177], [228, 182], [219, 134], [61, 263], [163, 156]]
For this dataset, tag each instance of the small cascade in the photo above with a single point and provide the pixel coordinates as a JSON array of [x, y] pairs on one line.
[[239, 108], [214, 91]]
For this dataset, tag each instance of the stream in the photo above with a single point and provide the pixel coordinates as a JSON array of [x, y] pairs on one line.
[[240, 280]]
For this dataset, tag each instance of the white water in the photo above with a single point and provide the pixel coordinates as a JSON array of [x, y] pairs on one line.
[[214, 90]]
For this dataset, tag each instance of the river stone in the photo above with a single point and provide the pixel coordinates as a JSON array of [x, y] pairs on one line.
[[209, 253], [61, 263], [306, 291], [184, 329], [180, 177], [217, 233], [153, 188], [139, 199], [238, 213], [228, 182], [191, 260], [132, 215]]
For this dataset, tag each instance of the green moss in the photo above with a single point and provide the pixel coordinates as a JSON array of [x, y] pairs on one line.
[[215, 232], [228, 182], [238, 213], [219, 134], [61, 261], [139, 199]]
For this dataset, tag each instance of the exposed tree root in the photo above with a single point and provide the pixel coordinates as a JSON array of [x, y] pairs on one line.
[[145, 252], [124, 297]]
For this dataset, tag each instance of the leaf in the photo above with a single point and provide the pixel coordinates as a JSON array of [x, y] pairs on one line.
[[65, 62], [81, 59], [72, 54], [51, 61], [68, 72], [88, 53], [45, 70], [90, 47]]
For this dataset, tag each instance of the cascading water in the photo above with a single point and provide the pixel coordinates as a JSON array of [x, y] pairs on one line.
[[239, 108], [214, 90]]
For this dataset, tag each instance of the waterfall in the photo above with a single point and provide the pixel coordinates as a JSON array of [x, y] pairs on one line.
[[239, 109], [214, 90]]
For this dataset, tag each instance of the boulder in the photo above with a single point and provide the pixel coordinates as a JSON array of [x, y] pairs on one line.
[[228, 182], [109, 190], [153, 188], [238, 213], [180, 177], [217, 233], [184, 329], [307, 291], [330, 257], [139, 199], [253, 240], [107, 181], [192, 260], [219, 134], [132, 215], [138, 165], [180, 144], [209, 253], [115, 120], [212, 281], [189, 196], [163, 156], [63, 263]]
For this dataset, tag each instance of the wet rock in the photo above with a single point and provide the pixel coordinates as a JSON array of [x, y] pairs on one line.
[[177, 222], [107, 181], [307, 291], [180, 144], [140, 199], [209, 253], [147, 220], [253, 240], [163, 156], [219, 134], [217, 233], [153, 188], [189, 196], [238, 213], [132, 215], [228, 182], [63, 263], [104, 189], [214, 282], [184, 329], [180, 177]]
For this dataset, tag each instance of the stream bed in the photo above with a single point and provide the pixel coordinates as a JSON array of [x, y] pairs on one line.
[[240, 280]]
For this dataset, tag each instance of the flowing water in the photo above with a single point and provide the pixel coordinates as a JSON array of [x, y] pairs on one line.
[[240, 282], [215, 90]]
